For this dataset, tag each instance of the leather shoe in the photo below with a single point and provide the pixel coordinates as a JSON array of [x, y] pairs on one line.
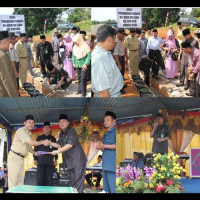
[[179, 85], [186, 88], [189, 94], [122, 91], [125, 86], [156, 77]]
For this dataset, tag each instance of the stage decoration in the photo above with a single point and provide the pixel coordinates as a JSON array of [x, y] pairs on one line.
[[162, 177]]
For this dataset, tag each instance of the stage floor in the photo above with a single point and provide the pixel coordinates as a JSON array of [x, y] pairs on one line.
[[191, 185]]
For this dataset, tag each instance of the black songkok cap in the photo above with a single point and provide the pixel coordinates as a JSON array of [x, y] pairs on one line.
[[4, 34], [186, 31], [63, 116], [83, 32], [155, 30], [50, 66], [30, 36], [46, 124], [198, 35], [22, 35], [179, 23], [132, 30], [120, 30], [42, 37], [74, 28], [186, 44], [109, 113], [138, 31], [160, 115], [29, 117]]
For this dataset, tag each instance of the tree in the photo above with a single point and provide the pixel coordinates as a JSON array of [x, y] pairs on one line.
[[195, 12], [155, 17], [34, 18], [79, 14]]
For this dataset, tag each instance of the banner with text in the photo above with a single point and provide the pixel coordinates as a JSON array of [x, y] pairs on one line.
[[129, 17], [195, 162], [12, 23]]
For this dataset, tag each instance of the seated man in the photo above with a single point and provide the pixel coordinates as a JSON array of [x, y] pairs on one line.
[[96, 173], [57, 75], [137, 162]]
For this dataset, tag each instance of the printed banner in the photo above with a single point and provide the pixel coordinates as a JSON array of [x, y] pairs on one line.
[[195, 162], [12, 23], [129, 17]]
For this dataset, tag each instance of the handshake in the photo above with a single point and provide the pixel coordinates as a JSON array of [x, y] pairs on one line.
[[46, 142]]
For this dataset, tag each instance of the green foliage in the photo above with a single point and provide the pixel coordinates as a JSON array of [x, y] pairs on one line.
[[79, 14], [84, 26], [195, 12], [34, 18], [155, 17]]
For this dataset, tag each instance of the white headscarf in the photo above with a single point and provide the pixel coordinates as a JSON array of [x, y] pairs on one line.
[[83, 49]]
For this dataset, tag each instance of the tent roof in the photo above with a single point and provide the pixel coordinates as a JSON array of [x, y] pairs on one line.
[[132, 107], [14, 110]]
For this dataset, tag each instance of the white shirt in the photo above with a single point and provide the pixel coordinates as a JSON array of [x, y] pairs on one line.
[[13, 54], [154, 43], [97, 164]]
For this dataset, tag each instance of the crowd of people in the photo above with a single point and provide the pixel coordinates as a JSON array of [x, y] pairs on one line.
[[66, 54], [144, 51], [4, 177]]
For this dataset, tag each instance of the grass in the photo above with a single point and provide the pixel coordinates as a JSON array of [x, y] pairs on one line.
[[85, 26]]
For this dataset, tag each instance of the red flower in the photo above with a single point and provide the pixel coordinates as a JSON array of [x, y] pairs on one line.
[[155, 187], [169, 182], [180, 187]]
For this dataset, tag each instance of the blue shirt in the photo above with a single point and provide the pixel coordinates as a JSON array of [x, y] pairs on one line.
[[105, 73], [154, 44], [109, 155], [1, 174], [139, 164]]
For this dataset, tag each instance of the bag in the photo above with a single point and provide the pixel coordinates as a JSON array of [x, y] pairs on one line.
[[175, 56]]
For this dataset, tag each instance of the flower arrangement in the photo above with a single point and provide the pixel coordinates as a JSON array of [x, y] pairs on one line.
[[161, 178]]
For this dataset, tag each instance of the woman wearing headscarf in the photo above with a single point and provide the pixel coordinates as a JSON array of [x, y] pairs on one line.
[[171, 46], [67, 57], [81, 57]]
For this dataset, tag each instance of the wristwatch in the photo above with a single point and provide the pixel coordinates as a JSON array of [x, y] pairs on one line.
[[57, 152]]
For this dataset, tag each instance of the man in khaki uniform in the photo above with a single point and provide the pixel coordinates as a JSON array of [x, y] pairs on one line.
[[8, 83], [133, 45], [21, 145], [22, 54], [33, 46]]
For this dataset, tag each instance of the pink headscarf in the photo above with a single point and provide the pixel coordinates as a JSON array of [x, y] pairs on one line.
[[69, 43], [171, 43]]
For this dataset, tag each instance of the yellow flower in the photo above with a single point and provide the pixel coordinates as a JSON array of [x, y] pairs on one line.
[[177, 165], [157, 165], [146, 185], [162, 177], [174, 164], [168, 157], [178, 172], [177, 156], [154, 155], [159, 174], [171, 154], [139, 177], [155, 159], [117, 182], [151, 185], [184, 170], [154, 166]]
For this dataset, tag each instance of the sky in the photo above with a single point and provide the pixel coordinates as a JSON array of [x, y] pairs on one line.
[[98, 14]]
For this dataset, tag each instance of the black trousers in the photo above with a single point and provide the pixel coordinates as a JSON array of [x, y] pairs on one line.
[[122, 62], [82, 80], [146, 77], [160, 62], [66, 83], [191, 84], [43, 64], [77, 177], [88, 178], [197, 89], [5, 189], [45, 175], [89, 73]]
